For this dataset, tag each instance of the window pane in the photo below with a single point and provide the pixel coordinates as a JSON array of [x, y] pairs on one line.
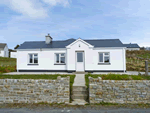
[[57, 58], [62, 59], [79, 57], [106, 59], [35, 60], [106, 53], [101, 57], [30, 58]]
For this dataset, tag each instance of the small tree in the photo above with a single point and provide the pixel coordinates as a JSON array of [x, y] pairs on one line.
[[142, 48]]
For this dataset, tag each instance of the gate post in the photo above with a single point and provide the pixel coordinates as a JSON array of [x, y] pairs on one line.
[[146, 68]]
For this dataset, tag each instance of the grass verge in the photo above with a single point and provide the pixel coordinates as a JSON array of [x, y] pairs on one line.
[[116, 77], [62, 105]]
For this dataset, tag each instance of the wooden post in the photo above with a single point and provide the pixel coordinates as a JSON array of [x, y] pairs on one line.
[[146, 68]]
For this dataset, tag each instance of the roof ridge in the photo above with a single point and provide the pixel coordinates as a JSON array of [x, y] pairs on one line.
[[132, 43], [53, 40], [102, 39]]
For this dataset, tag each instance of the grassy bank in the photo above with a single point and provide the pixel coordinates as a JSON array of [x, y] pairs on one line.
[[116, 77], [7, 64], [135, 60], [99, 106], [139, 53]]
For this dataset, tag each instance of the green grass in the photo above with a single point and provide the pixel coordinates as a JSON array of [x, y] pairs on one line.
[[116, 77], [4, 61], [146, 55], [7, 64]]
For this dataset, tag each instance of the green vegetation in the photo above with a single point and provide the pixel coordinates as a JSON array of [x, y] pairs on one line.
[[133, 63], [106, 103], [139, 53], [7, 65], [116, 77], [101, 105]]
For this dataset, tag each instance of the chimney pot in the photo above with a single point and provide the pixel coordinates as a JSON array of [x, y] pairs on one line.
[[48, 39]]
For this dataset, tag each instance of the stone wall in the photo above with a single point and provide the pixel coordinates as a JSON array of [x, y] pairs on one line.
[[35, 91], [119, 91]]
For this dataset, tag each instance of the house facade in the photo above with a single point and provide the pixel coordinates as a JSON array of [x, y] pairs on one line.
[[131, 47], [4, 50], [72, 55]]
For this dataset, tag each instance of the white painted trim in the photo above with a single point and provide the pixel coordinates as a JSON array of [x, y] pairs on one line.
[[59, 58], [104, 56], [102, 48], [33, 58], [45, 49], [91, 46], [83, 53], [124, 61]]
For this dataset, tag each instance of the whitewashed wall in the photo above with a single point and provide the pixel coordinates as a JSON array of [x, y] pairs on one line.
[[1, 53], [5, 52], [46, 60], [13, 54], [117, 58]]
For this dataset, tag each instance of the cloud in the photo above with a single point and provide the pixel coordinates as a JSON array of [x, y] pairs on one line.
[[32, 8], [55, 2]]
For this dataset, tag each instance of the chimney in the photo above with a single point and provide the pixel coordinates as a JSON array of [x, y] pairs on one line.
[[48, 39]]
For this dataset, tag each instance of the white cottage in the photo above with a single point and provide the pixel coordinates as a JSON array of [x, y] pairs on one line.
[[4, 50], [72, 55]]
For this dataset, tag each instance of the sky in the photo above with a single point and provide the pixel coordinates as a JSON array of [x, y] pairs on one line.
[[32, 20]]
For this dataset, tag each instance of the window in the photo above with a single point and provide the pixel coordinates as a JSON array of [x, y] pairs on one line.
[[79, 57], [33, 58], [60, 58], [104, 57]]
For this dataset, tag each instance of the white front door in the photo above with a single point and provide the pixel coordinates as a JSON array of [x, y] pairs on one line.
[[80, 61]]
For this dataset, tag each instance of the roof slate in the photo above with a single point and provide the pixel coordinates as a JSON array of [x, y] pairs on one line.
[[132, 45], [2, 45], [64, 43]]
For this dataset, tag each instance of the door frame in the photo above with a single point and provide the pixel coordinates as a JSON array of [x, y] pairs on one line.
[[83, 59]]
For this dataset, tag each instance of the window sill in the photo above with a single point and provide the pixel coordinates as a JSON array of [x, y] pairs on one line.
[[32, 64], [104, 64], [59, 64]]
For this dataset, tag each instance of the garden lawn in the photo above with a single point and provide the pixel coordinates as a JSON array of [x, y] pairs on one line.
[[116, 77]]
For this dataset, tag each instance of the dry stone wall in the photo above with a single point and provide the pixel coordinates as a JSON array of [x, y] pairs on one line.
[[119, 91], [35, 91]]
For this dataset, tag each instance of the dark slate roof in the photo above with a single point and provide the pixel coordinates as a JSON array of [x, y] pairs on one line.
[[64, 43], [105, 42], [132, 45], [2, 45]]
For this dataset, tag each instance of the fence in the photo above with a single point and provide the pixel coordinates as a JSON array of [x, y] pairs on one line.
[[146, 67]]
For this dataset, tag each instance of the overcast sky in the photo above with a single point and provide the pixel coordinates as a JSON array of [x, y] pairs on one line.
[[31, 20]]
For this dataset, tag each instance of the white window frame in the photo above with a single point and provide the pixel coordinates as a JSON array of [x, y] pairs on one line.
[[104, 57], [33, 58], [60, 58]]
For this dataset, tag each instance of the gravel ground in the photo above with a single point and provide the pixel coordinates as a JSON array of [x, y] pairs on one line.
[[42, 108], [72, 110]]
